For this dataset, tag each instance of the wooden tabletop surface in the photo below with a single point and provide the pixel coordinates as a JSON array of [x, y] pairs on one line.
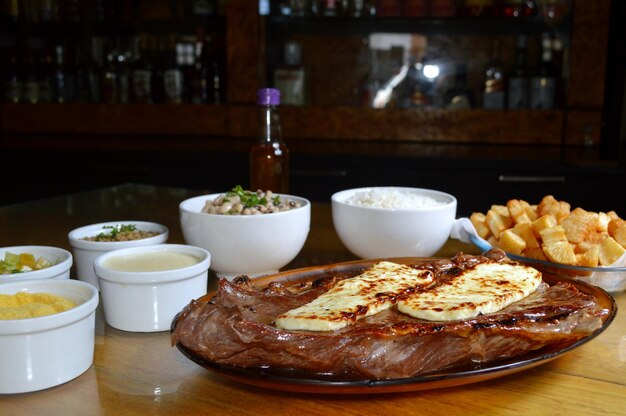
[[141, 374]]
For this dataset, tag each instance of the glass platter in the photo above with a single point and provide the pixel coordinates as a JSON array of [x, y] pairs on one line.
[[296, 382], [611, 279]]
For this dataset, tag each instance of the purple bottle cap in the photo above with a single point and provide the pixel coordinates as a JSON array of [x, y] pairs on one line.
[[268, 96]]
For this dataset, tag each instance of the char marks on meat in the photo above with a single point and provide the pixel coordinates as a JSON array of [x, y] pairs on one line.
[[235, 329]]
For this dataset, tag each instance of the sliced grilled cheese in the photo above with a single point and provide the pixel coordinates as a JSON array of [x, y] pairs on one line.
[[487, 288], [376, 289]]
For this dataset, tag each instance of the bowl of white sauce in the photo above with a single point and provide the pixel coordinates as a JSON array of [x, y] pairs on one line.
[[380, 222], [143, 288]]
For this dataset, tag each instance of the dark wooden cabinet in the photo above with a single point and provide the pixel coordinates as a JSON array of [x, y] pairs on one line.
[[336, 146]]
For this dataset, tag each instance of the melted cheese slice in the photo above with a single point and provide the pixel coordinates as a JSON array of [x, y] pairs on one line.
[[487, 288], [376, 289]]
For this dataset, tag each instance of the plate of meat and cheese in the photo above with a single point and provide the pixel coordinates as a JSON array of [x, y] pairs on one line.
[[263, 332]]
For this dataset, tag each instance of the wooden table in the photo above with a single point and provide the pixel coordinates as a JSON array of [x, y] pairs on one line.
[[140, 374]]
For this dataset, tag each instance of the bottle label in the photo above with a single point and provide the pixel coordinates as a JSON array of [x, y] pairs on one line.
[[542, 93], [518, 93], [290, 82], [173, 85], [142, 82]]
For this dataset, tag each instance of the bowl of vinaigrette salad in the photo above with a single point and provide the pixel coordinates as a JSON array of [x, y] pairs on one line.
[[34, 262]]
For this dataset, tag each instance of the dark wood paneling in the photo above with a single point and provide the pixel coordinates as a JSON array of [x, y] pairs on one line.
[[148, 119], [583, 128], [590, 36], [478, 126], [242, 52]]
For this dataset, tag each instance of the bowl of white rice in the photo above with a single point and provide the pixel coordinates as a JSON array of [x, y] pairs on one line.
[[393, 221]]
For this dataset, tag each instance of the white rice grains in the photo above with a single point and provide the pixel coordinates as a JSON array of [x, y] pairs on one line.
[[392, 198]]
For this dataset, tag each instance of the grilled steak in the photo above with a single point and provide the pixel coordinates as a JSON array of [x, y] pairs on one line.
[[235, 329]]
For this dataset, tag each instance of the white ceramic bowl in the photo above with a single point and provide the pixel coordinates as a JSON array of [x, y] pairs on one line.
[[38, 353], [393, 232], [60, 259], [85, 252], [148, 301], [254, 245]]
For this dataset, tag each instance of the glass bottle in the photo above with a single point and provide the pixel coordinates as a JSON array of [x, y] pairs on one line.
[[45, 73], [142, 75], [173, 77], [269, 157], [543, 83], [199, 82], [121, 63], [158, 70], [12, 81], [108, 79], [519, 82], [290, 77], [493, 93], [30, 86], [59, 76]]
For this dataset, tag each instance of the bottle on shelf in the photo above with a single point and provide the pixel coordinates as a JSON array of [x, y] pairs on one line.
[[59, 76], [290, 77], [141, 75], [45, 80], [30, 85], [122, 67], [459, 96], [493, 92], [543, 83], [519, 82], [108, 78], [158, 69], [12, 82], [83, 77], [560, 69], [217, 86], [173, 77], [202, 82], [269, 157]]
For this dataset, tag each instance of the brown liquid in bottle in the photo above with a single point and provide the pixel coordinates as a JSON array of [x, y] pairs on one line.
[[269, 167]]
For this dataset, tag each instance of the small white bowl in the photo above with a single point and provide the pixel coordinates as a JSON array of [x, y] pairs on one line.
[[60, 259], [254, 245], [148, 301], [85, 251], [38, 353], [393, 232]]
